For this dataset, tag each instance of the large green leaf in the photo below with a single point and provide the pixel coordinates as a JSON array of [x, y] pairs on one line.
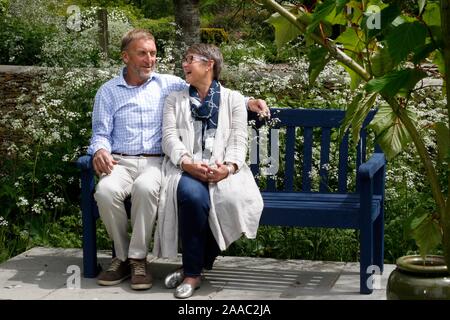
[[438, 60], [353, 40], [404, 38], [381, 62], [401, 81], [432, 15], [320, 13], [317, 57], [390, 132], [284, 30], [421, 4], [360, 115], [421, 53], [349, 115], [427, 234], [443, 141], [340, 4]]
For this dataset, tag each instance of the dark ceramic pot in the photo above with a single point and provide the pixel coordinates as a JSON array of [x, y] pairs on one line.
[[419, 279]]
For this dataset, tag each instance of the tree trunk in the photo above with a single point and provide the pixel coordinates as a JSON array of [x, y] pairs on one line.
[[187, 18]]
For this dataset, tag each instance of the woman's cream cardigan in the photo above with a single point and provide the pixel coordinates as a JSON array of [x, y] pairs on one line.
[[236, 203]]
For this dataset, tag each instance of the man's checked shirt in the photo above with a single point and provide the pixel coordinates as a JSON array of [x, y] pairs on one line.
[[128, 119]]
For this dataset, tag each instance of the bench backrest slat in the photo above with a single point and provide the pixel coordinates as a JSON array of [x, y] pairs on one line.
[[324, 159], [312, 160], [307, 159], [289, 170], [343, 160]]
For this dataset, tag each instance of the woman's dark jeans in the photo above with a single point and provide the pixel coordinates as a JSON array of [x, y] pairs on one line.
[[199, 247]]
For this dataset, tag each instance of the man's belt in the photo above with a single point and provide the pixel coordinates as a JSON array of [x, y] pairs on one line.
[[139, 155]]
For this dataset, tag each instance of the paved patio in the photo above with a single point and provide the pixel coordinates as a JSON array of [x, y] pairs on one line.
[[52, 274]]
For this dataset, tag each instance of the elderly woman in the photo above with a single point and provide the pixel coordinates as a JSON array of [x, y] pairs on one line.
[[208, 193]]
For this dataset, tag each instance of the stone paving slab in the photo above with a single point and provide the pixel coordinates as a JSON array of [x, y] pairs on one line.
[[47, 274]]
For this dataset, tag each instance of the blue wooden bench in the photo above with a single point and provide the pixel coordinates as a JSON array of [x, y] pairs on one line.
[[295, 198]]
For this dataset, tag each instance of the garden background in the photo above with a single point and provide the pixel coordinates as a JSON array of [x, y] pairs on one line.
[[49, 125]]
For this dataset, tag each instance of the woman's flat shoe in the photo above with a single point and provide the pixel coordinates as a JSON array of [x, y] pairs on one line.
[[174, 279], [185, 290]]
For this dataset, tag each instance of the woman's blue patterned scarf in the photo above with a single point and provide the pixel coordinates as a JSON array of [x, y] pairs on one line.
[[206, 111]]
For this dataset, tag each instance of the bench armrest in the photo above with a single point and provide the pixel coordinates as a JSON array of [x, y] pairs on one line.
[[368, 169], [84, 163]]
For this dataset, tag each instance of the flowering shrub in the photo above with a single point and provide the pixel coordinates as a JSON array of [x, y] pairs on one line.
[[38, 181]]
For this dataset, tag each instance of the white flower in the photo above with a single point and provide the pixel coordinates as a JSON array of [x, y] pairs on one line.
[[22, 202]]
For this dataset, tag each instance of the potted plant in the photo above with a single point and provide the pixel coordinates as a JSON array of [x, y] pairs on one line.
[[382, 45]]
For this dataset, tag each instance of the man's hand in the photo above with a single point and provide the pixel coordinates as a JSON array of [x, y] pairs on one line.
[[103, 162], [198, 170], [260, 107]]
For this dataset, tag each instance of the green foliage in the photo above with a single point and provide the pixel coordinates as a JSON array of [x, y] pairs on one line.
[[388, 57], [155, 9], [21, 42], [39, 184], [392, 136], [284, 31], [213, 35], [163, 29]]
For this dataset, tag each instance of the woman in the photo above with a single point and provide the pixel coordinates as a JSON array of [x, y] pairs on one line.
[[208, 193]]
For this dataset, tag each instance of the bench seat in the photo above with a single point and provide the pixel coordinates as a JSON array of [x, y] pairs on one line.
[[315, 209]]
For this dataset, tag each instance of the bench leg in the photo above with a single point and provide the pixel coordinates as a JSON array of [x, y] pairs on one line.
[[90, 266], [366, 258], [378, 233]]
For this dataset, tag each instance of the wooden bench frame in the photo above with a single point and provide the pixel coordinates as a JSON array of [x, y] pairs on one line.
[[361, 210]]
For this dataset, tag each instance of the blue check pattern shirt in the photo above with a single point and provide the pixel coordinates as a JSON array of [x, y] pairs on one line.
[[128, 119]]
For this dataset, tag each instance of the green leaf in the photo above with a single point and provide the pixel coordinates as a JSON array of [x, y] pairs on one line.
[[340, 4], [320, 13], [381, 62], [390, 132], [317, 56], [360, 116], [423, 52], [427, 234], [349, 114], [432, 15], [400, 81], [353, 40], [421, 4], [443, 141], [438, 60], [284, 30], [404, 38], [336, 18]]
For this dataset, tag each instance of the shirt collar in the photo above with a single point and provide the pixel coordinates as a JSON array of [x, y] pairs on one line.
[[123, 82]]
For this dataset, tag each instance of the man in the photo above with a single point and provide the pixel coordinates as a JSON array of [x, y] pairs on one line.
[[127, 155]]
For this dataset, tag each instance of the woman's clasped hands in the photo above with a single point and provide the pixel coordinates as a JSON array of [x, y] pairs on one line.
[[206, 173]]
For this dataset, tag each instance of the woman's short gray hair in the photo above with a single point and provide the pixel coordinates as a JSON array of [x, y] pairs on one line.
[[211, 52]]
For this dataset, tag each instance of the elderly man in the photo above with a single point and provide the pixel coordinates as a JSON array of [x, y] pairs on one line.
[[127, 155]]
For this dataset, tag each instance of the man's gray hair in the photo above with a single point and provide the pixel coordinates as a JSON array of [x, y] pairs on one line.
[[211, 52], [135, 34]]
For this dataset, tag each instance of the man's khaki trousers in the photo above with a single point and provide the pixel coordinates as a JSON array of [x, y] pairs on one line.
[[139, 177]]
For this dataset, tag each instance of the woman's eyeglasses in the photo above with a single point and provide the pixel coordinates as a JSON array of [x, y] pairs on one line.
[[193, 57]]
